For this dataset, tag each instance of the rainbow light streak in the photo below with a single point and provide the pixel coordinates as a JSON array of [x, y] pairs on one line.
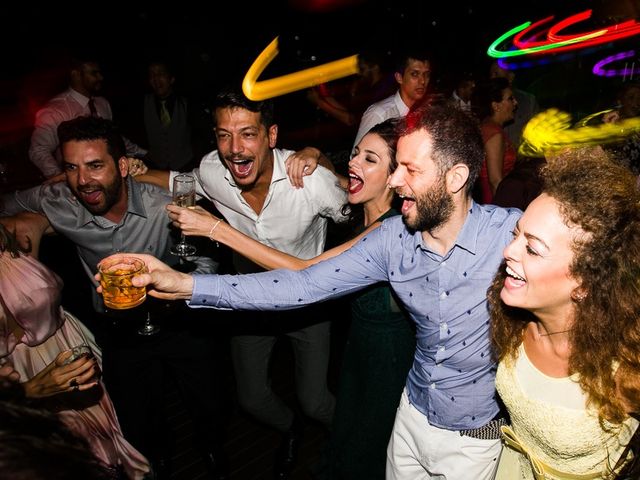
[[518, 38], [552, 34], [616, 31], [261, 90], [598, 68], [551, 131], [495, 53], [561, 42]]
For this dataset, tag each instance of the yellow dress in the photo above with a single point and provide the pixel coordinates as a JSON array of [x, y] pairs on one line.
[[548, 440]]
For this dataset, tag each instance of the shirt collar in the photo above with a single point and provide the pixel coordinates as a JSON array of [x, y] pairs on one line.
[[467, 238], [135, 206], [78, 97], [458, 99], [400, 105]]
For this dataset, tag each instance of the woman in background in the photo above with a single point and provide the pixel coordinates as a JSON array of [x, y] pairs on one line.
[[494, 105]]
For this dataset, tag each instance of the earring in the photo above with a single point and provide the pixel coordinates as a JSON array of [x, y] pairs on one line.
[[578, 295]]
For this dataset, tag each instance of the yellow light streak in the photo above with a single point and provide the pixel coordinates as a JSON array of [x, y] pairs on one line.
[[551, 131], [261, 90]]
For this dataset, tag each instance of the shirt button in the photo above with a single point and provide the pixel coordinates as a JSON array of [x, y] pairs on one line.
[[444, 264], [433, 386], [443, 326], [443, 295], [441, 349]]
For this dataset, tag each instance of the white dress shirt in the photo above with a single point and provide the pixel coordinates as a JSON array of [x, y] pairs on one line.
[[390, 107], [44, 151], [293, 220], [460, 103]]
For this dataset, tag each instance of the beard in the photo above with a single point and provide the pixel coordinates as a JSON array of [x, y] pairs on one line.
[[434, 207], [111, 194]]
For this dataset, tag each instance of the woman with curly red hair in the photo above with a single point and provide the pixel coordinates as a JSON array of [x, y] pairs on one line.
[[566, 325]]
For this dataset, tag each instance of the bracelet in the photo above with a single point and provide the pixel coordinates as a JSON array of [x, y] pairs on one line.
[[211, 231]]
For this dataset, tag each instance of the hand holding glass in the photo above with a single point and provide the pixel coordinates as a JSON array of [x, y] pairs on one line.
[[83, 351], [184, 195], [115, 278]]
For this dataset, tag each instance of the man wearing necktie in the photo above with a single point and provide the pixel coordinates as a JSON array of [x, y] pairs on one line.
[[165, 117], [92, 107], [82, 98], [168, 122]]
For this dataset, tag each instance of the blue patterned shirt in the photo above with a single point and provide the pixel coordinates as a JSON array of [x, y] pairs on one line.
[[452, 378]]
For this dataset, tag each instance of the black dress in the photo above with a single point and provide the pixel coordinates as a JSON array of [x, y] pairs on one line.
[[377, 358]]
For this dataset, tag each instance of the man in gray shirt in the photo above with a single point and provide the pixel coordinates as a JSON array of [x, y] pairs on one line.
[[102, 211]]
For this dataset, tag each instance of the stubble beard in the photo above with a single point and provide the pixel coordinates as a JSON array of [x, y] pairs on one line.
[[433, 207]]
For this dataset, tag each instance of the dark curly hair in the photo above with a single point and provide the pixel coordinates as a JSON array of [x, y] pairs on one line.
[[455, 135], [233, 97], [602, 199], [87, 128]]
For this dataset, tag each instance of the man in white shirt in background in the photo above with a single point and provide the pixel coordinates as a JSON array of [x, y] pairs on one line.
[[80, 99], [463, 91], [413, 72]]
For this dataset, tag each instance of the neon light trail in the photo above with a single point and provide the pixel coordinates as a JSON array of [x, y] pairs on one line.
[[556, 42], [551, 130], [261, 90], [598, 68]]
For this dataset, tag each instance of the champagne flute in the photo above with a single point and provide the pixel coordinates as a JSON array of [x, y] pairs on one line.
[[184, 195]]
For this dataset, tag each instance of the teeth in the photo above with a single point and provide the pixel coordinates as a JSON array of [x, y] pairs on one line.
[[513, 274], [403, 196]]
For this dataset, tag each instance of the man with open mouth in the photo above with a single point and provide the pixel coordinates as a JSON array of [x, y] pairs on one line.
[[439, 258], [246, 179]]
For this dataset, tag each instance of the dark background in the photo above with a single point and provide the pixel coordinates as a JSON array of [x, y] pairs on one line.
[[214, 43]]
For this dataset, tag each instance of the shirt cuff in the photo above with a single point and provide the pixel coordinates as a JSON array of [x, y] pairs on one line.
[[206, 291]]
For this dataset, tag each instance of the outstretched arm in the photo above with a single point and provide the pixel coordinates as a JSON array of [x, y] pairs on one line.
[[198, 222], [161, 281]]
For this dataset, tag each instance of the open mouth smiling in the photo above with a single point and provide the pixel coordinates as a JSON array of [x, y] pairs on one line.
[[355, 183]]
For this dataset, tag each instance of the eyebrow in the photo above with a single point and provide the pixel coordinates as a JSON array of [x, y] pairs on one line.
[[242, 129], [372, 152], [530, 236]]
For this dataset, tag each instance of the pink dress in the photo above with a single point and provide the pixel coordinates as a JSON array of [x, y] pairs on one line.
[[488, 130], [30, 293]]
